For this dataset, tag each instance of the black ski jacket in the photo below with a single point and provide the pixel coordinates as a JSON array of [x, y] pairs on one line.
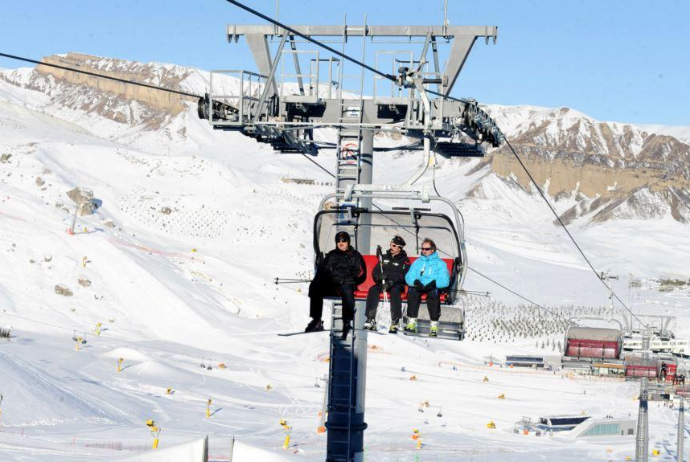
[[394, 268], [340, 268]]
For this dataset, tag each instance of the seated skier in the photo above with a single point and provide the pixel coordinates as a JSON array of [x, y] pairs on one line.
[[389, 276], [427, 275], [339, 273]]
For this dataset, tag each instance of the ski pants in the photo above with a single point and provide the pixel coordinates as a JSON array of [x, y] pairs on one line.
[[394, 297], [319, 289], [414, 299]]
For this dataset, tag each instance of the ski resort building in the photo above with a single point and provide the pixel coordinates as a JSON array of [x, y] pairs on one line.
[[560, 423], [604, 427]]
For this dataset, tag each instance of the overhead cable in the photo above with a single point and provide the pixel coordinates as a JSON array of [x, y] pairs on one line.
[[517, 294]]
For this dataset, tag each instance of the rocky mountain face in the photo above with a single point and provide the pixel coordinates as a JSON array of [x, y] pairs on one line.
[[594, 171], [610, 170], [117, 101]]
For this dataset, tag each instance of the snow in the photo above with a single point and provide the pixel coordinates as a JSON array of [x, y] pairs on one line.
[[171, 289]]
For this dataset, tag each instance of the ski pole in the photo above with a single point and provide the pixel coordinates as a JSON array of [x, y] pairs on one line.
[[290, 281]]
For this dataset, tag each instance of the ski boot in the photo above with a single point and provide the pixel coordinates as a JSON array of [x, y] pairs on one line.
[[411, 325], [315, 325], [370, 324], [394, 326], [433, 331]]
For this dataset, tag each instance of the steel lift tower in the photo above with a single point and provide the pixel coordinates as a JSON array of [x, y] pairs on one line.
[[410, 97]]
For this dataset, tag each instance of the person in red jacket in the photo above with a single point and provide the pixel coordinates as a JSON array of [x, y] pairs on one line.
[[339, 273]]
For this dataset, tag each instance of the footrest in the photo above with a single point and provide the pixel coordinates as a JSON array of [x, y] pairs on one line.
[[446, 330]]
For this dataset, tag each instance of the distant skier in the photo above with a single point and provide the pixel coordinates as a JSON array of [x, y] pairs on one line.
[[339, 273], [389, 276], [427, 275]]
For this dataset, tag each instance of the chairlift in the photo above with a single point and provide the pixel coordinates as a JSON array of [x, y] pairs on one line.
[[590, 342], [370, 227]]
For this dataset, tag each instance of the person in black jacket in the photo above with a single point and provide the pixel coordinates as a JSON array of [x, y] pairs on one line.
[[389, 275], [340, 272]]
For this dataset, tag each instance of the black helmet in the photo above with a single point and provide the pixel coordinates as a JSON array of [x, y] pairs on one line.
[[397, 240], [342, 236]]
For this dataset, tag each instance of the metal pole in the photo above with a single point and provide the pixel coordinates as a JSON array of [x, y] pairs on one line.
[[681, 429], [642, 437], [232, 447], [365, 177]]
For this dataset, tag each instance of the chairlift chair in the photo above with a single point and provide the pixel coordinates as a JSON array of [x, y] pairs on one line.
[[373, 226]]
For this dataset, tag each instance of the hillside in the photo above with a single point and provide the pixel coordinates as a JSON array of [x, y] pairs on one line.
[[194, 225]]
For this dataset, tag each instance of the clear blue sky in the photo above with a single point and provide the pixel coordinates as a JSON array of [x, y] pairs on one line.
[[621, 60]]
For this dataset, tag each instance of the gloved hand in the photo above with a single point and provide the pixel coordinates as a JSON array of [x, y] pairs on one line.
[[430, 286], [418, 285], [387, 285], [378, 277]]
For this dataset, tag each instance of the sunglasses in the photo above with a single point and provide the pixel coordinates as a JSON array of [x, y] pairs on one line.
[[396, 245], [426, 249], [342, 240]]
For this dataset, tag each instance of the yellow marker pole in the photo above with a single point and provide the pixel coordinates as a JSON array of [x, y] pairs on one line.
[[169, 391], [287, 429], [155, 432], [97, 329], [76, 346], [119, 364], [416, 436], [208, 409]]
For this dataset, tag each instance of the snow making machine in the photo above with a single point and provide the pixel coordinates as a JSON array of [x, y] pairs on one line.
[[376, 225]]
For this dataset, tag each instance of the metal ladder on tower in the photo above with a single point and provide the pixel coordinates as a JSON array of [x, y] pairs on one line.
[[349, 138], [342, 388]]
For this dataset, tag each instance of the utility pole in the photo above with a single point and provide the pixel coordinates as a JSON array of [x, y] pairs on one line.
[[642, 437], [606, 277]]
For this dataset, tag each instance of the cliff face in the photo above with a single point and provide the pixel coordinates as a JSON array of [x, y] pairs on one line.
[[612, 170], [117, 101]]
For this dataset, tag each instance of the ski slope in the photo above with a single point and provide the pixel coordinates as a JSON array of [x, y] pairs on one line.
[[172, 288]]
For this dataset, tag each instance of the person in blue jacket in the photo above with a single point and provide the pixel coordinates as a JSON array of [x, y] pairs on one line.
[[427, 275]]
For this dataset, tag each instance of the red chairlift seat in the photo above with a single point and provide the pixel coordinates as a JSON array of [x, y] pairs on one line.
[[372, 260]]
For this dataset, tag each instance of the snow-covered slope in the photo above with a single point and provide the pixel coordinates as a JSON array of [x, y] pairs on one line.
[[180, 261]]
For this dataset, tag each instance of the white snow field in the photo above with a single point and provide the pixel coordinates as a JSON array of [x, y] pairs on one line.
[[202, 224]]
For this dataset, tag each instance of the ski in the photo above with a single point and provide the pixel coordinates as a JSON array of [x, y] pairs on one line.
[[290, 334]]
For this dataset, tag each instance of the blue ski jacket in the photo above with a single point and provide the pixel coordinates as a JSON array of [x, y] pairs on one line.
[[427, 269]]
